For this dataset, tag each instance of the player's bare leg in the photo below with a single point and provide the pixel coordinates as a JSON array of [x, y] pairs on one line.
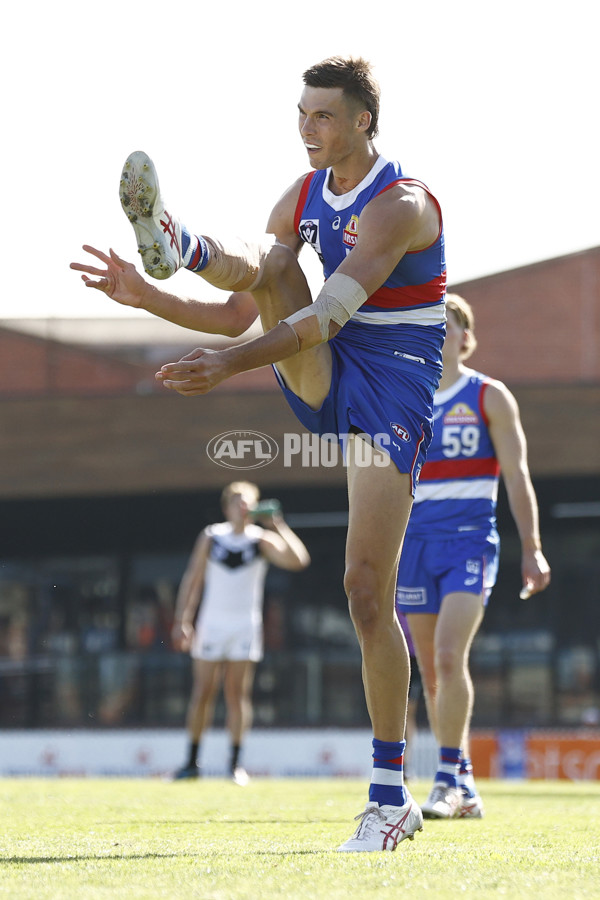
[[443, 642], [206, 683], [239, 677], [264, 268], [379, 507], [283, 290], [207, 680]]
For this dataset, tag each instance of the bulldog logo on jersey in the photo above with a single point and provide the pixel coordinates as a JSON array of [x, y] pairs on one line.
[[350, 236], [461, 414]]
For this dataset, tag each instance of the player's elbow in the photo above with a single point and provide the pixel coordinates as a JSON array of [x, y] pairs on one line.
[[298, 562]]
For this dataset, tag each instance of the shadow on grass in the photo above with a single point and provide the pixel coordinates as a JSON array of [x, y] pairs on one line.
[[34, 860], [131, 824], [18, 860]]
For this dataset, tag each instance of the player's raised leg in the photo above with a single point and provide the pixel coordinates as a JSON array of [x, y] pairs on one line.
[[157, 231], [266, 268], [379, 503]]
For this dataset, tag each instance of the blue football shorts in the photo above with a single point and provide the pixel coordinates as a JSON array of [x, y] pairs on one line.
[[374, 393], [431, 569]]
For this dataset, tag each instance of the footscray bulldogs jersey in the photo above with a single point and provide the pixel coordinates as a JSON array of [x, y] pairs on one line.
[[459, 481]]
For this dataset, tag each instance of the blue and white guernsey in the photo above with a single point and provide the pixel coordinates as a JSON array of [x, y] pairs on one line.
[[387, 359], [458, 487], [414, 292]]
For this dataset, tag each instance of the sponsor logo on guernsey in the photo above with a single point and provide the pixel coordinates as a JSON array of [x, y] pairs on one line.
[[336, 223], [351, 232], [400, 432], [461, 414]]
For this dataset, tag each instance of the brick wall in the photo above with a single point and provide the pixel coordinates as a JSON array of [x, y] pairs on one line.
[[539, 323]]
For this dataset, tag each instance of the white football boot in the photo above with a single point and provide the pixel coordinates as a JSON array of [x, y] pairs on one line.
[[443, 802], [240, 776], [384, 827], [470, 807], [158, 233]]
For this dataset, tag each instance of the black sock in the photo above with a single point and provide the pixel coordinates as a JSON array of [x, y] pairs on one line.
[[192, 759], [235, 755]]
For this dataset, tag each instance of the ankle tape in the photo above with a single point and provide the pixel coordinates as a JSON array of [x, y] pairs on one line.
[[236, 265]]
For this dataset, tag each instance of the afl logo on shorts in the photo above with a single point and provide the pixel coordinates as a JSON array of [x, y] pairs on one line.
[[400, 432]]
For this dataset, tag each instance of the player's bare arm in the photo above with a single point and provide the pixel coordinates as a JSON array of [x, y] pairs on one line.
[[401, 219], [510, 445], [190, 594], [121, 281], [282, 547], [281, 219]]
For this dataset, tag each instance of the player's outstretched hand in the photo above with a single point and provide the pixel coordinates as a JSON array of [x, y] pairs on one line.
[[197, 373], [119, 280]]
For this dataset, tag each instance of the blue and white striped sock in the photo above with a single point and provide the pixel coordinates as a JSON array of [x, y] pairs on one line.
[[465, 777], [194, 250], [449, 765], [387, 780]]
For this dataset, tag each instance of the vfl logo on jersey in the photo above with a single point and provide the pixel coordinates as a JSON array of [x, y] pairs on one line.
[[309, 233], [461, 414], [400, 432], [351, 232]]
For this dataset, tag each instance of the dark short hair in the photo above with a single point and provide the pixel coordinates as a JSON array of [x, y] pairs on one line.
[[356, 79]]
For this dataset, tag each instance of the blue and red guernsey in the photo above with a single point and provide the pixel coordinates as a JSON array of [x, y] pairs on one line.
[[458, 485], [414, 293]]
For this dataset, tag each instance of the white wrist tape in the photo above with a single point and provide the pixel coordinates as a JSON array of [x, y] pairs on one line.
[[337, 301]]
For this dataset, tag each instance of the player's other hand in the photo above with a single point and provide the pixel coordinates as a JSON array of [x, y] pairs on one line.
[[182, 636], [197, 373], [120, 280], [535, 571]]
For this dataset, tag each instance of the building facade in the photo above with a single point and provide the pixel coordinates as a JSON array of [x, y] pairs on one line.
[[106, 480]]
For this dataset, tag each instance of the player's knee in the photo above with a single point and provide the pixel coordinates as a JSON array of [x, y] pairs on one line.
[[360, 583], [280, 263], [448, 662]]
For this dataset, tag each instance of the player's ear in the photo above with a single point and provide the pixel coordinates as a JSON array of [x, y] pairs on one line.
[[364, 120]]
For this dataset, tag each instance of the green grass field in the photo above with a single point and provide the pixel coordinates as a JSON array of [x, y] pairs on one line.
[[93, 838]]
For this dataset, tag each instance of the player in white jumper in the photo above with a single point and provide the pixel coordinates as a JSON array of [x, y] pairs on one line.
[[218, 616]]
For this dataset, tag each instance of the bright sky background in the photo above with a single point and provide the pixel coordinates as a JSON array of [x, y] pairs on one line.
[[494, 106]]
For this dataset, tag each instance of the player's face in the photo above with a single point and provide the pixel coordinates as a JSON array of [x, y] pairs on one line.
[[455, 337], [238, 507], [328, 126]]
